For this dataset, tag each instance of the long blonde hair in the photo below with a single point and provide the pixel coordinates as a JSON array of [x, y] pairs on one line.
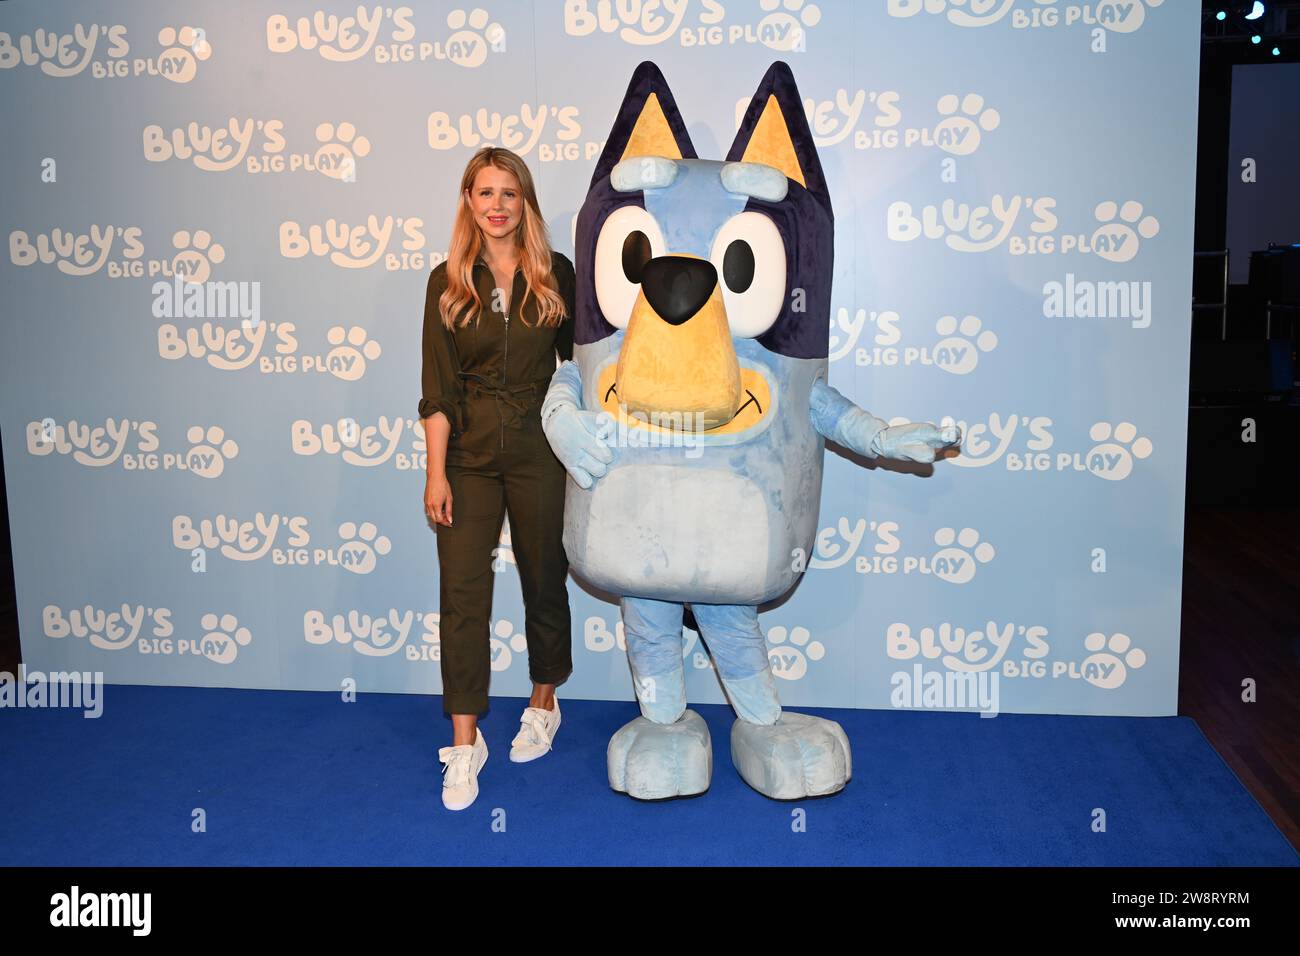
[[532, 241]]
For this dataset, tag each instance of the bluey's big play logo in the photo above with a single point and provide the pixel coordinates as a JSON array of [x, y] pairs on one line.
[[71, 54], [957, 125], [954, 557], [134, 445], [396, 440], [551, 132], [274, 347], [782, 25], [398, 240], [259, 146], [1108, 662], [956, 345], [1112, 452], [119, 253], [218, 637], [387, 34], [965, 648], [1118, 16], [382, 634], [357, 548], [394, 632], [1116, 235]]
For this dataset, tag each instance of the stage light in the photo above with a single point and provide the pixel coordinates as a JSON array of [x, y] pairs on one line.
[[1276, 51], [1220, 15], [1255, 38], [1256, 11]]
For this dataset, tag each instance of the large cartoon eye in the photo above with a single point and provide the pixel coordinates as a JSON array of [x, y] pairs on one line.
[[750, 258], [629, 238]]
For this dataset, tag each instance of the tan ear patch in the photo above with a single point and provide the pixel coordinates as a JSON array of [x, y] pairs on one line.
[[771, 143], [652, 136]]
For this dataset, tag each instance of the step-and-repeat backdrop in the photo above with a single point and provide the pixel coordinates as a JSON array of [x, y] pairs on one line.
[[220, 219]]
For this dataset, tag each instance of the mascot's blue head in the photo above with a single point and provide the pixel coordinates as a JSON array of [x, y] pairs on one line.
[[703, 304]]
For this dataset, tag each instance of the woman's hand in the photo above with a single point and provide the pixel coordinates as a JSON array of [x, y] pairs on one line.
[[437, 499]]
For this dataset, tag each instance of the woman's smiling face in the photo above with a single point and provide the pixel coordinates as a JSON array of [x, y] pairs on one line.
[[496, 201]]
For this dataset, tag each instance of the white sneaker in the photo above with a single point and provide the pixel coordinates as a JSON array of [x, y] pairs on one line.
[[460, 772], [536, 731]]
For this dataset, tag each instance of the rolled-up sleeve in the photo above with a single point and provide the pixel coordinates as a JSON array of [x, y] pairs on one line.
[[568, 284], [441, 389]]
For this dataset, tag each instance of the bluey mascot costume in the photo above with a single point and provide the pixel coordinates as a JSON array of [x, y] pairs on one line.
[[692, 420]]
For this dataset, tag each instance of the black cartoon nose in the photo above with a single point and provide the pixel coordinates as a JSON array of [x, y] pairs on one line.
[[678, 286]]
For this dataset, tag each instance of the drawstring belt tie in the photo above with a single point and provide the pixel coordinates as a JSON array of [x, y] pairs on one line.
[[513, 401]]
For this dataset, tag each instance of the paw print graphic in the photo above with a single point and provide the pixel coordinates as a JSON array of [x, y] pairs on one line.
[[791, 651], [209, 451], [959, 353], [1112, 457], [503, 555], [474, 36], [1123, 16], [959, 132], [360, 547], [959, 554], [340, 148], [785, 31], [1108, 664], [1118, 241], [182, 50], [195, 255], [505, 643], [352, 348], [222, 638]]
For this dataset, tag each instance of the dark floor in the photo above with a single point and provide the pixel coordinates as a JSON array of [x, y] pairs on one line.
[[1241, 621], [1241, 605]]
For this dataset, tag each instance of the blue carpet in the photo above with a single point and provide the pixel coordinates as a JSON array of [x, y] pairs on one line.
[[301, 778]]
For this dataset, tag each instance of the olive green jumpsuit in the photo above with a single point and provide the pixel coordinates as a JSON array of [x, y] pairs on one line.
[[489, 378]]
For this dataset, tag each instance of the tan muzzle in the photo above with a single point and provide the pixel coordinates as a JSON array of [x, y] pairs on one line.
[[679, 366]]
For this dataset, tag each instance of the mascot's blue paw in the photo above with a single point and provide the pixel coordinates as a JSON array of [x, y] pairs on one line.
[[652, 761], [798, 756]]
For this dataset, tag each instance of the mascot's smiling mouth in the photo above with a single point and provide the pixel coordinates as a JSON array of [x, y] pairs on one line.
[[755, 407], [677, 369]]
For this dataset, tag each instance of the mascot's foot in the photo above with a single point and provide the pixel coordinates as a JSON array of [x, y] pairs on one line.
[[798, 756], [652, 761]]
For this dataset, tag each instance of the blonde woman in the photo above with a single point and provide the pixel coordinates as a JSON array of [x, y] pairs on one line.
[[496, 315]]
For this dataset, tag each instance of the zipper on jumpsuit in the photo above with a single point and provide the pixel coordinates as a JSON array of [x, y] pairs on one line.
[[504, 364]]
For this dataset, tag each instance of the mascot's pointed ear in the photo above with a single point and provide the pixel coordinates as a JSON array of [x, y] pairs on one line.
[[648, 124], [775, 131]]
